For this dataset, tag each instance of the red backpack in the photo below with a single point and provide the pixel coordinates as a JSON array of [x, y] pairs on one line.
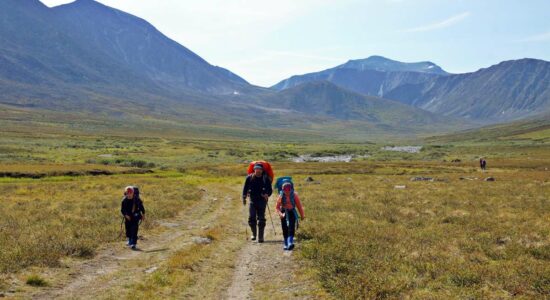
[[267, 168]]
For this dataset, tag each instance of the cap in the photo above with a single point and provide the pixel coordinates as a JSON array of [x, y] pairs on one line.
[[258, 166]]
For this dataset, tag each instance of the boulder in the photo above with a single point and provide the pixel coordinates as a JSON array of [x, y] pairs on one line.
[[201, 240], [422, 179]]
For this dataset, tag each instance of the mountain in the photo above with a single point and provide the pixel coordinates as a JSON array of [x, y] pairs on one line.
[[87, 61], [382, 64], [507, 91], [371, 76], [35, 49], [142, 48], [86, 47], [323, 98]]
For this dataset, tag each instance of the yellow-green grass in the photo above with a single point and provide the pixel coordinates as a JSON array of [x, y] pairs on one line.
[[432, 240], [22, 170], [364, 238], [42, 221], [201, 270]]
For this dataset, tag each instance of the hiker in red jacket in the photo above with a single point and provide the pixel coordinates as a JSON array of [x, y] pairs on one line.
[[287, 203]]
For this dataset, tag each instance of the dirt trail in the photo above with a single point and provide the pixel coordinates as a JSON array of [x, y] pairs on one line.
[[116, 265], [252, 270], [266, 271]]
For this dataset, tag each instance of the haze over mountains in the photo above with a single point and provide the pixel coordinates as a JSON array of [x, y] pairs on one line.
[[85, 57]]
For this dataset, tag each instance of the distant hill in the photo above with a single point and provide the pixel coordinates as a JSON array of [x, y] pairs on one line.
[[323, 98], [535, 130], [507, 91], [373, 76]]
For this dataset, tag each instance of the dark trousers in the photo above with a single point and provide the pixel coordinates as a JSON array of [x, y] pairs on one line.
[[288, 229], [256, 213], [132, 228]]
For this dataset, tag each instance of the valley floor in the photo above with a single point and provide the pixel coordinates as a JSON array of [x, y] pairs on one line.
[[386, 225]]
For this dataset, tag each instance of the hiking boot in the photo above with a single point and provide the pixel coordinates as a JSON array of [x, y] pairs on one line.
[[134, 247], [261, 235], [290, 243], [253, 229]]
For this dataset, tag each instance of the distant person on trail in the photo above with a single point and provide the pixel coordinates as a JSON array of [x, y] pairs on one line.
[[483, 164], [258, 187], [287, 203], [133, 211]]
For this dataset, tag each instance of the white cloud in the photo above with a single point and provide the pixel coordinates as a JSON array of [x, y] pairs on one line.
[[442, 24], [543, 37]]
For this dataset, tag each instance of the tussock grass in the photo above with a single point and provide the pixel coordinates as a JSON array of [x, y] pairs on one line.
[[37, 171], [36, 280], [432, 240], [363, 239], [44, 221]]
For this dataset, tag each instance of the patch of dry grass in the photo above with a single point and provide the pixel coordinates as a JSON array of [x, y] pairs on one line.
[[43, 221], [458, 239]]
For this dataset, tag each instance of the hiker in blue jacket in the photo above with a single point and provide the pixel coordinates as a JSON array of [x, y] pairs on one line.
[[133, 211], [258, 187]]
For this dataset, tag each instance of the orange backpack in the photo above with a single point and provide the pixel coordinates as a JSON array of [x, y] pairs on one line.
[[267, 168]]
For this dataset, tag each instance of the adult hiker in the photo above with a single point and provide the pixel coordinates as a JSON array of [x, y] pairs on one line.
[[257, 186], [483, 164], [287, 204], [133, 211]]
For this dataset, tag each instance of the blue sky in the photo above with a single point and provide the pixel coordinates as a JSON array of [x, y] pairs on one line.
[[267, 41]]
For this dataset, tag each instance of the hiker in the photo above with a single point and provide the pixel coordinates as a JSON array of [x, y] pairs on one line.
[[483, 164], [133, 211], [258, 187], [287, 203]]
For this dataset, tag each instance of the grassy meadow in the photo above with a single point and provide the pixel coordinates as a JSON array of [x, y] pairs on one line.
[[438, 240], [363, 237]]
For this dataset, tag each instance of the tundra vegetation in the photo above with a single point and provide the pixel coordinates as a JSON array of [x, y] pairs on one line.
[[451, 234]]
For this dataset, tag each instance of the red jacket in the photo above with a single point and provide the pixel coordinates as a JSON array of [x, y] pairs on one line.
[[288, 205]]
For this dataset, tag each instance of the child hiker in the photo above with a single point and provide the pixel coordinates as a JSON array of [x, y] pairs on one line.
[[133, 211], [287, 203]]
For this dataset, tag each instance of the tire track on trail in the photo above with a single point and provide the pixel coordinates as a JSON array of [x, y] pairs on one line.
[[237, 269], [266, 271], [116, 266]]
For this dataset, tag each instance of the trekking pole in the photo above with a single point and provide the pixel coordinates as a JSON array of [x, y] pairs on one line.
[[245, 225], [271, 218], [121, 230]]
